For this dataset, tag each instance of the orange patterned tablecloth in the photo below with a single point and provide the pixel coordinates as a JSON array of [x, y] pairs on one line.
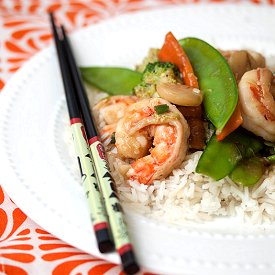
[[25, 248]]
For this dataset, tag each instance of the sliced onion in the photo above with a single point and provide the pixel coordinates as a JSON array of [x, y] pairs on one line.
[[179, 94]]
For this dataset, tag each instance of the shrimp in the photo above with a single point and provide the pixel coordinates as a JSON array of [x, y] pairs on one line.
[[109, 111], [243, 61], [157, 143], [257, 103]]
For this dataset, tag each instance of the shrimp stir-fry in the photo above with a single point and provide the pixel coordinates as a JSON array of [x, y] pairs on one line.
[[257, 103], [109, 111], [156, 142]]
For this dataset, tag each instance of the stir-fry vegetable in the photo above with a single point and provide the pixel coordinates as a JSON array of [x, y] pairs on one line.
[[271, 159], [193, 115], [163, 72], [172, 51], [270, 151], [216, 80], [232, 124], [248, 171], [112, 80], [220, 157]]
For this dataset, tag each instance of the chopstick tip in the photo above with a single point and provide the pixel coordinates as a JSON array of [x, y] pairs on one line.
[[129, 263], [51, 15]]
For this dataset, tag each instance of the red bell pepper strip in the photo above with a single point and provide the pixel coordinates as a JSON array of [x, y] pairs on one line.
[[232, 124], [172, 51]]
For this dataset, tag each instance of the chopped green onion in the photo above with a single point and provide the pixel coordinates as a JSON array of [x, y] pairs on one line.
[[113, 138], [160, 109]]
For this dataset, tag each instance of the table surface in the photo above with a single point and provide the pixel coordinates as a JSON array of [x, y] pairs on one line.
[[25, 247]]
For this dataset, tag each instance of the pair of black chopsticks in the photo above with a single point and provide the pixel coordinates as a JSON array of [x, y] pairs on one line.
[[106, 212]]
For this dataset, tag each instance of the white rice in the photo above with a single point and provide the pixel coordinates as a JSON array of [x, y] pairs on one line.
[[188, 196]]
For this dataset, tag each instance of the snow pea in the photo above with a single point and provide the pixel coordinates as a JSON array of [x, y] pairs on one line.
[[248, 171], [247, 144], [270, 147], [112, 80], [216, 80], [220, 157], [271, 159]]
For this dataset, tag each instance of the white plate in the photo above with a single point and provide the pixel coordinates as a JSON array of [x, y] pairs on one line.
[[38, 172]]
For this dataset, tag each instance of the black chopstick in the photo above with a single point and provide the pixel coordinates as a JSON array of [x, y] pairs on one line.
[[113, 207], [80, 91], [73, 80], [96, 206]]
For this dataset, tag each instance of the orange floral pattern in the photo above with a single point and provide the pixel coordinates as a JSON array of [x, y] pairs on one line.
[[66, 258], [25, 31], [15, 241]]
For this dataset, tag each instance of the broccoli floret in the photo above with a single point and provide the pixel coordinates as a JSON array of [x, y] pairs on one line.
[[151, 57], [154, 73]]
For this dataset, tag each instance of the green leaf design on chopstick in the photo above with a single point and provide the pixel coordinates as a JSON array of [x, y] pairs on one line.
[[112, 80]]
